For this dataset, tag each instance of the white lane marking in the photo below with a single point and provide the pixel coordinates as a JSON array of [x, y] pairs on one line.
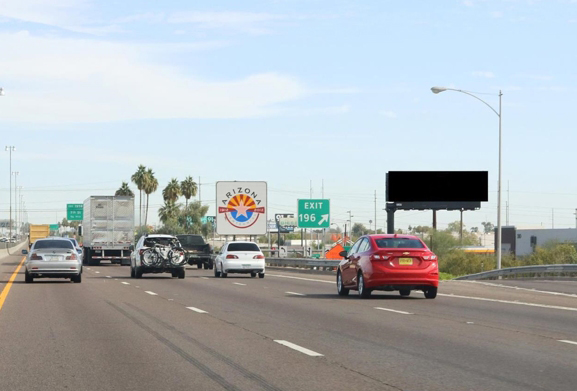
[[97, 272], [395, 311], [205, 278], [152, 293], [518, 288], [569, 342], [294, 293], [125, 283], [108, 276], [554, 307], [300, 278], [238, 283], [197, 310], [299, 348]]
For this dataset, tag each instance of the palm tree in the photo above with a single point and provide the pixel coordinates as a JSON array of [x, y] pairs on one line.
[[168, 211], [188, 188], [138, 179], [124, 190], [172, 191], [150, 186]]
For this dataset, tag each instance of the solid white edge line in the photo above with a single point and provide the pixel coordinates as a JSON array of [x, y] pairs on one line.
[[395, 311], [197, 310], [238, 283], [567, 341], [125, 283], [554, 307], [295, 293], [151, 293], [517, 288], [299, 348], [301, 278]]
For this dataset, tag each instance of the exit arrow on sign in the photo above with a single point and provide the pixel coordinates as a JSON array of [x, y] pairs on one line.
[[324, 218]]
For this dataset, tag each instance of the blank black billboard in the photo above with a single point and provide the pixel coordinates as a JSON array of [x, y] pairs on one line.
[[437, 186]]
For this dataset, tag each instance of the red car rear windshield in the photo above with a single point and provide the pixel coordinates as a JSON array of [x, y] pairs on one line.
[[399, 243]]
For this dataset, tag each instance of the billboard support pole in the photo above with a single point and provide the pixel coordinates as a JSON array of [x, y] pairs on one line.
[[390, 218]]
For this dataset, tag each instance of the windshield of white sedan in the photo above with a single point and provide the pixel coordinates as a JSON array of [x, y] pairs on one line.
[[41, 244], [399, 243], [243, 247]]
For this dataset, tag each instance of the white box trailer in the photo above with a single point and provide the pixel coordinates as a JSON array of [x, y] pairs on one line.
[[108, 229]]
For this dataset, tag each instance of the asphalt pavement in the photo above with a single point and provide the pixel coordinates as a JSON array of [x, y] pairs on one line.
[[288, 331]]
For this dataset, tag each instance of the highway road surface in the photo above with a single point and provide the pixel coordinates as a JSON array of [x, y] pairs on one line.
[[289, 331]]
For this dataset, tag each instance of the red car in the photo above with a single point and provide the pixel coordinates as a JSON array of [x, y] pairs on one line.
[[388, 263]]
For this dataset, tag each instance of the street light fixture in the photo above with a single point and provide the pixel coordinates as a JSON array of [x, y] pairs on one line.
[[499, 113]]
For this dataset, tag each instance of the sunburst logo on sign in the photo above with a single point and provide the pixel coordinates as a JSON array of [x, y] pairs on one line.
[[242, 210]]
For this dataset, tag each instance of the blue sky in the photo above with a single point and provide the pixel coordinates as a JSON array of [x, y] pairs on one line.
[[289, 91]]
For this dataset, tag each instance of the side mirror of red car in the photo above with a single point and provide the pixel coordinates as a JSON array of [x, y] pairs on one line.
[[343, 254]]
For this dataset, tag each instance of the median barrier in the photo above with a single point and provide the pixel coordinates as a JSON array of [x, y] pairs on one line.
[[304, 263], [536, 271]]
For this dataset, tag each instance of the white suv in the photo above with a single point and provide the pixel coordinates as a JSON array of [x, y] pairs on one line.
[[239, 257]]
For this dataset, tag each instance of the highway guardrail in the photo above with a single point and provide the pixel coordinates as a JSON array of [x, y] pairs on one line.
[[304, 263], [536, 271]]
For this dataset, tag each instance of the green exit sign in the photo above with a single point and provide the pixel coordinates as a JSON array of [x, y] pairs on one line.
[[74, 212], [314, 213], [54, 227]]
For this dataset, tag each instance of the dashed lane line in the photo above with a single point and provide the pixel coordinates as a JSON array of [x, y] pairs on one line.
[[197, 310], [295, 293], [238, 283], [125, 283], [151, 293], [567, 341], [395, 311], [298, 348]]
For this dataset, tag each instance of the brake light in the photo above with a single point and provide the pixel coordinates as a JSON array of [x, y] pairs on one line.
[[141, 252], [430, 257], [230, 256], [377, 257], [258, 257], [35, 257], [71, 257]]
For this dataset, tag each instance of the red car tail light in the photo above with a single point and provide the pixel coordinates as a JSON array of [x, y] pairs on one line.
[[230, 256], [141, 251], [71, 257], [379, 257], [258, 257], [431, 257], [35, 257]]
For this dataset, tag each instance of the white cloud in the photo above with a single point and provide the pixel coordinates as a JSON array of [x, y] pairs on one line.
[[50, 12], [388, 114], [251, 22], [535, 77], [485, 74], [497, 14], [468, 3], [52, 80]]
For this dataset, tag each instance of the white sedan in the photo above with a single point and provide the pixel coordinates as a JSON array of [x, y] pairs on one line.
[[239, 257]]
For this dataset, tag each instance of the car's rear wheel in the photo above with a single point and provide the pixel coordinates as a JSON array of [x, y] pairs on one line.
[[28, 278], [252, 275], [131, 272], [210, 265], [138, 272], [77, 279], [260, 275], [405, 292], [199, 265], [340, 287], [431, 293], [222, 273], [364, 292], [205, 266], [174, 273], [216, 272], [180, 273]]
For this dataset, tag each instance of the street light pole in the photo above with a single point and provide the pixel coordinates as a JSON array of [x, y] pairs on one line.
[[16, 173], [437, 90], [10, 148]]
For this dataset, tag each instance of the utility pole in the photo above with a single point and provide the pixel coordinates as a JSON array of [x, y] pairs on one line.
[[461, 230], [10, 148], [199, 198], [16, 173], [507, 214], [375, 212]]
